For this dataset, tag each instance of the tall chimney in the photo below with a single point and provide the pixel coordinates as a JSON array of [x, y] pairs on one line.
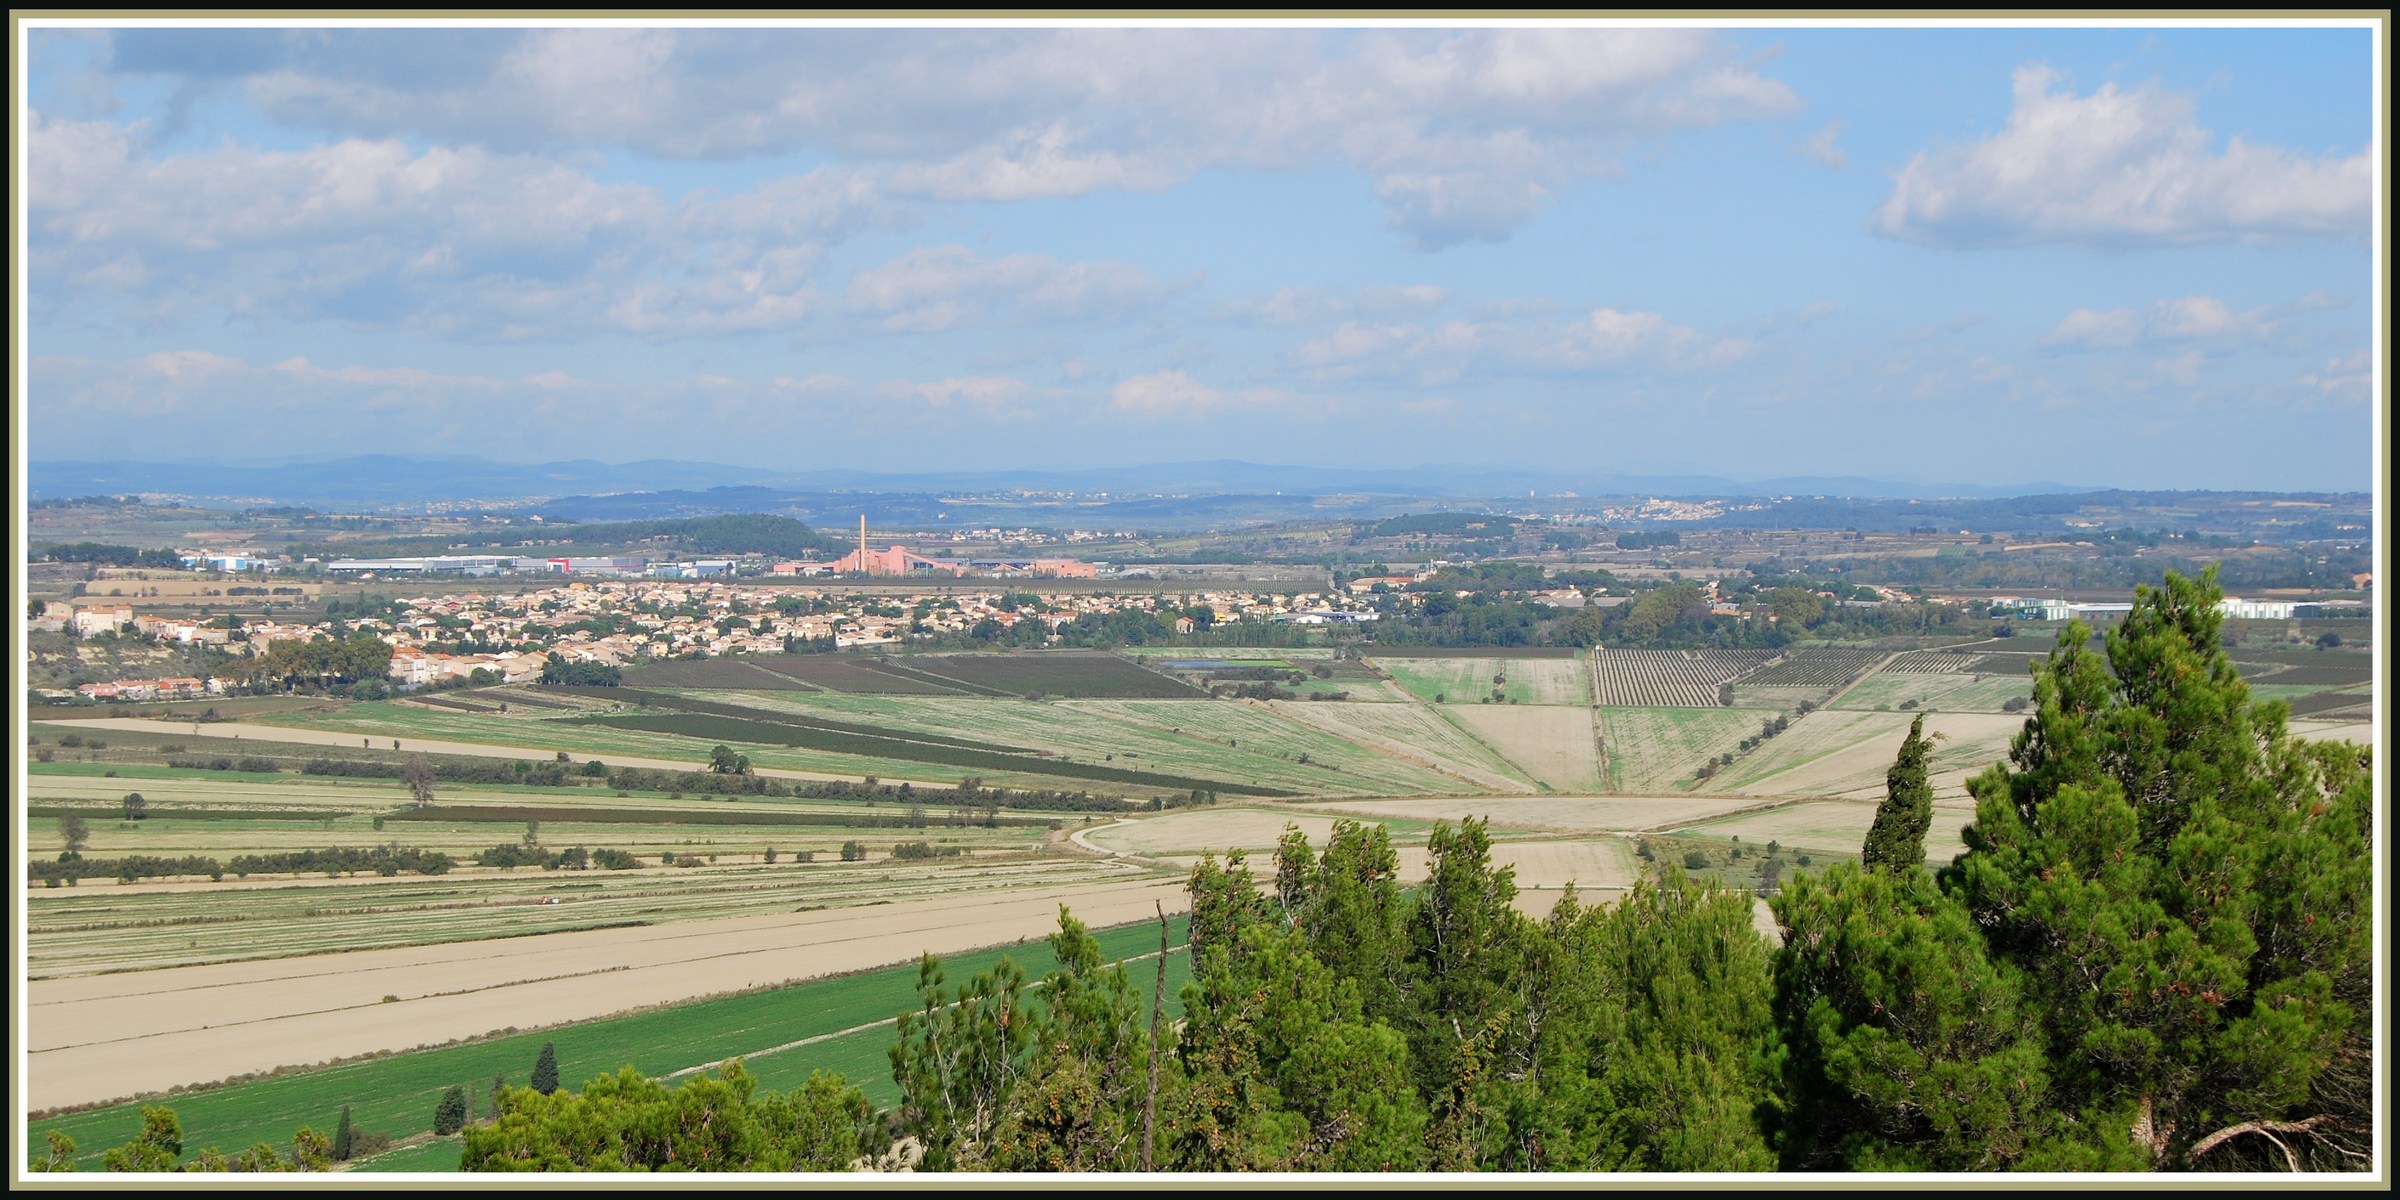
[[862, 543]]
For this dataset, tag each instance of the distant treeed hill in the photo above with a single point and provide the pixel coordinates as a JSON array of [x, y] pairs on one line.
[[750, 533], [1448, 524]]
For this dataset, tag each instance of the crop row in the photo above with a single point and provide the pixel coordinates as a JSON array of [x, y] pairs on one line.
[[2312, 676], [1668, 678], [1934, 662], [1813, 668]]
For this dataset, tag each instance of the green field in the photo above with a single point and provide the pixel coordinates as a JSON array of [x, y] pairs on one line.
[[1467, 680], [396, 1095], [1655, 749], [1220, 739], [1948, 693], [1416, 733], [98, 925], [1065, 673]]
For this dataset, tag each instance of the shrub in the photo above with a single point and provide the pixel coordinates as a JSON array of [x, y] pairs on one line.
[[1694, 860]]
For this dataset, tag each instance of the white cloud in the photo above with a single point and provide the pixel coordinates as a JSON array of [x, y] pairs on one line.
[[2344, 376], [1168, 393], [462, 241], [191, 364], [1439, 354], [820, 381], [1824, 147], [2096, 329], [932, 288], [1612, 335], [414, 378], [2118, 167], [986, 391], [1465, 132], [2182, 368], [2204, 319]]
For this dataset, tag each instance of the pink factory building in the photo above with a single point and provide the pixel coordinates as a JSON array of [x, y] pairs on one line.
[[899, 560], [895, 561]]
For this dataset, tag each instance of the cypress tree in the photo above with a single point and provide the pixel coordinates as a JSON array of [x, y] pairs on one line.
[[341, 1137], [1896, 842], [545, 1070]]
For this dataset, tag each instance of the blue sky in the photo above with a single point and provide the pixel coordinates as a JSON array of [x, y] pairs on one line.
[[2114, 257]]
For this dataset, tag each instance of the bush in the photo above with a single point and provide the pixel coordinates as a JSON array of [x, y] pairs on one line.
[[1694, 860]]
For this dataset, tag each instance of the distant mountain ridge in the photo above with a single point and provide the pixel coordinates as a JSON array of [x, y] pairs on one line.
[[383, 481]]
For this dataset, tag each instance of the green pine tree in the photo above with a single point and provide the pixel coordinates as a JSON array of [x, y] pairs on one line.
[[450, 1114], [2185, 889], [1906, 1048], [545, 1070], [341, 1137], [1896, 842]]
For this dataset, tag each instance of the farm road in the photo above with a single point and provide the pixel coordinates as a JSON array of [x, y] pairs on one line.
[[100, 1037], [236, 730]]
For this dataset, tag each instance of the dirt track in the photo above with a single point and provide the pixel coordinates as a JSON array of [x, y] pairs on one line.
[[101, 1037]]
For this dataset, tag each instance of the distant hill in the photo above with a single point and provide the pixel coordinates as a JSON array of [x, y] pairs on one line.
[[653, 488], [781, 537]]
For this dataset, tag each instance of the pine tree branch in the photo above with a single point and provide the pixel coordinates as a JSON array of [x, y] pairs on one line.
[[2266, 1129]]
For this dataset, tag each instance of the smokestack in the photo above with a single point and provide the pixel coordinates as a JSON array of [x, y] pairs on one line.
[[862, 543]]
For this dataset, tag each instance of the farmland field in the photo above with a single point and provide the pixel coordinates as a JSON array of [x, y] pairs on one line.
[[1822, 670], [1543, 866], [1474, 652], [100, 925], [1655, 749], [1845, 754], [1066, 673], [1414, 734], [1219, 830], [1576, 814], [1467, 680], [98, 1037], [1551, 743], [1948, 693], [1673, 678], [1220, 739], [1835, 827], [2357, 732], [396, 1095], [1063, 673]]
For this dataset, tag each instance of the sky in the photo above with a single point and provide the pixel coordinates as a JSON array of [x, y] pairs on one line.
[[2105, 257]]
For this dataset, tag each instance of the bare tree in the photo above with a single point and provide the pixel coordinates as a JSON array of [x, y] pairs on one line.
[[417, 775]]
